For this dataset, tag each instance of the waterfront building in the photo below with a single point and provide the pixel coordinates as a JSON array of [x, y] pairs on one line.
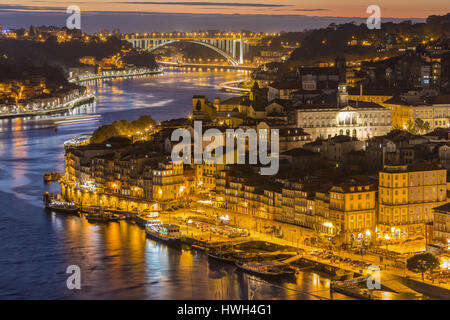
[[120, 170], [168, 181], [346, 210], [353, 212], [407, 194], [441, 225]]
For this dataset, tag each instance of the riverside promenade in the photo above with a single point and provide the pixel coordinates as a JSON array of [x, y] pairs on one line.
[[58, 109], [115, 74]]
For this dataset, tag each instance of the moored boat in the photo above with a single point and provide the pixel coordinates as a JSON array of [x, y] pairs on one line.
[[224, 256], [54, 203], [96, 214], [97, 217], [114, 217], [268, 269], [166, 233]]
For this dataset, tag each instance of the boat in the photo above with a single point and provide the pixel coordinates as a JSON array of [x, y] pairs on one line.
[[114, 217], [78, 141], [267, 269], [96, 214], [81, 119], [54, 203], [52, 176], [166, 233], [146, 218], [97, 217], [223, 256]]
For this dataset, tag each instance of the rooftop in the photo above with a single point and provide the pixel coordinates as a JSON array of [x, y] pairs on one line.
[[445, 208]]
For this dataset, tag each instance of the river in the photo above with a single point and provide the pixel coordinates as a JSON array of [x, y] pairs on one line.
[[116, 260]]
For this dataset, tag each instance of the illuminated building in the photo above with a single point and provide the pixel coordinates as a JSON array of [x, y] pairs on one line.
[[327, 117], [353, 211], [407, 195], [168, 181], [433, 110], [370, 94], [346, 210], [441, 225]]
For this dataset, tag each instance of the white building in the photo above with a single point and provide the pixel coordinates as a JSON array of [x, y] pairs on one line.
[[359, 119]]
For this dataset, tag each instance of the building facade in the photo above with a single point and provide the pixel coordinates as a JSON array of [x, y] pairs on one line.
[[407, 196]]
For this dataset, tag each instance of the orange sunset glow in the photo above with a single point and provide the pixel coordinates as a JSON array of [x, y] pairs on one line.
[[347, 8]]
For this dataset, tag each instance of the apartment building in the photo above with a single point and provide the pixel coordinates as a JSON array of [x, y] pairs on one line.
[[441, 225], [407, 196]]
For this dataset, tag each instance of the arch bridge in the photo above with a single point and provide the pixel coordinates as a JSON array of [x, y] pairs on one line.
[[231, 49]]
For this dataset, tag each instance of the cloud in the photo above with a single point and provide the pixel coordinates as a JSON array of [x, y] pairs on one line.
[[9, 7], [215, 4], [309, 10]]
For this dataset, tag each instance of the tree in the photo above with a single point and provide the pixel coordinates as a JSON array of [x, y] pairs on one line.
[[422, 263], [410, 127], [421, 126], [103, 133], [144, 122]]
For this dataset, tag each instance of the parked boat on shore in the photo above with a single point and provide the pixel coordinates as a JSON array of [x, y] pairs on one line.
[[268, 269], [54, 203], [166, 233]]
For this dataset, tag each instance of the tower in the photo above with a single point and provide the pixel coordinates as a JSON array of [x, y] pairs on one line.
[[342, 95]]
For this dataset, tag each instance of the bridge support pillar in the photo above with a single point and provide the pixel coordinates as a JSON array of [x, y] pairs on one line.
[[241, 52], [234, 49]]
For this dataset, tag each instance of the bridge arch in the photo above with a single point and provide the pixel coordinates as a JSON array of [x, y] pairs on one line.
[[232, 60]]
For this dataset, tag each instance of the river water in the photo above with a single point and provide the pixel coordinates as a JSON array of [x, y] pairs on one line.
[[116, 260]]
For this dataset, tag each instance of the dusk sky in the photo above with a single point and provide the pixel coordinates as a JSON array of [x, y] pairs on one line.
[[266, 15], [343, 8]]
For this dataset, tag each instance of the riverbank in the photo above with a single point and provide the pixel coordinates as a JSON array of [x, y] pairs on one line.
[[88, 98], [115, 74], [233, 86]]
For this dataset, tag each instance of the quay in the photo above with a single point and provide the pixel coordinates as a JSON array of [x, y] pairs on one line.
[[344, 278], [117, 74], [59, 109]]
